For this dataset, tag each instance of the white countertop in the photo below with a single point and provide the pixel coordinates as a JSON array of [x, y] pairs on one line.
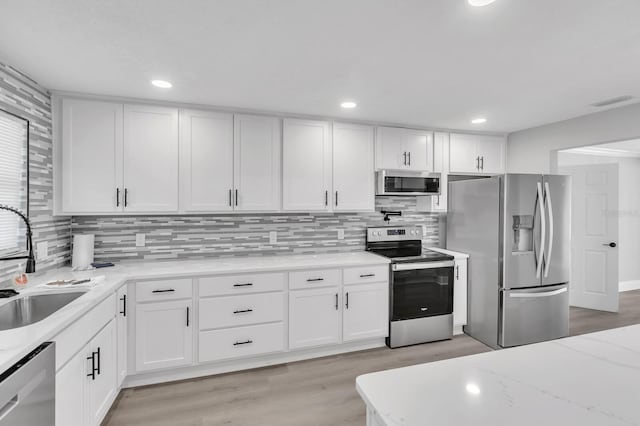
[[456, 254], [16, 343], [588, 380]]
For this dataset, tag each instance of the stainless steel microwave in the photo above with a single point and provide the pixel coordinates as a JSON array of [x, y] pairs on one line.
[[393, 182]]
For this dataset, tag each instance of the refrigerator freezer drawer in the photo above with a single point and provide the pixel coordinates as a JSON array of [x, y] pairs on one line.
[[534, 315]]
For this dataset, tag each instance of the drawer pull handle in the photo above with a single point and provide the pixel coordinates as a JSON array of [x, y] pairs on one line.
[[310, 280], [242, 311], [243, 285], [246, 342], [169, 290], [367, 275]]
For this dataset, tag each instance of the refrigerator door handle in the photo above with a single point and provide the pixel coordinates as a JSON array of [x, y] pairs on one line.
[[539, 294], [543, 231], [547, 262]]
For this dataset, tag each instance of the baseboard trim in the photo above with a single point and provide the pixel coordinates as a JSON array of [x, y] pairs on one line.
[[220, 367], [629, 285]]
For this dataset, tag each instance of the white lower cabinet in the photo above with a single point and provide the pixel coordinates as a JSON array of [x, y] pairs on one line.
[[240, 342], [164, 335], [366, 311], [122, 334], [86, 385], [459, 293], [314, 317]]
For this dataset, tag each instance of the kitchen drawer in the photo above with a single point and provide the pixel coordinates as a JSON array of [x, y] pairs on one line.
[[155, 291], [233, 311], [240, 284], [366, 274], [315, 278], [78, 334], [241, 342]]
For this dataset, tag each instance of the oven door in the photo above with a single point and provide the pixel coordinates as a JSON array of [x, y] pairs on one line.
[[420, 290]]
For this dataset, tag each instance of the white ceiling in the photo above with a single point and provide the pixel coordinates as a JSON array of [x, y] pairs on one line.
[[520, 63]]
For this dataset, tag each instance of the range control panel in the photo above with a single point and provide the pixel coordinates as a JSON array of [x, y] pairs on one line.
[[394, 233]]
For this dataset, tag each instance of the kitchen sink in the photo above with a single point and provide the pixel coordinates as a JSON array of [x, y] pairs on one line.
[[30, 309]]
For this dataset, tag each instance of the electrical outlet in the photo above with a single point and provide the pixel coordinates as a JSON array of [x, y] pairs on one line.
[[42, 250], [341, 234], [140, 240], [273, 237]]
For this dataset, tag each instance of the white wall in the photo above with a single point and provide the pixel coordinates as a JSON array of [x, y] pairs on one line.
[[628, 208], [530, 151]]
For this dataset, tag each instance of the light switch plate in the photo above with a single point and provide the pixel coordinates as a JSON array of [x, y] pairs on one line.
[[140, 240], [273, 237], [42, 250], [341, 234]]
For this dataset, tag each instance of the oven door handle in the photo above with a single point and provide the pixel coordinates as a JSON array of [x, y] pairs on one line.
[[421, 265]]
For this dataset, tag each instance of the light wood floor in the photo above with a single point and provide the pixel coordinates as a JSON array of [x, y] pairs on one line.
[[316, 392]]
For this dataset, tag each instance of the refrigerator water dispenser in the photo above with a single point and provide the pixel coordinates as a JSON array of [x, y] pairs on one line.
[[522, 233]]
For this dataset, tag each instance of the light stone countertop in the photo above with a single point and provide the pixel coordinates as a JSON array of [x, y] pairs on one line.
[[18, 342], [588, 380]]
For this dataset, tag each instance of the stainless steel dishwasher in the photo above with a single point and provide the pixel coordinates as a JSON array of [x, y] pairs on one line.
[[27, 390]]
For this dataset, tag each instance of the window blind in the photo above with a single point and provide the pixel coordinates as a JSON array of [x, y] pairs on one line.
[[13, 182]]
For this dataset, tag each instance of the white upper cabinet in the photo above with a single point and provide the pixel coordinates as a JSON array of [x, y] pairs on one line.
[[257, 163], [150, 159], [404, 149], [353, 169], [206, 161], [91, 157], [478, 154], [306, 167]]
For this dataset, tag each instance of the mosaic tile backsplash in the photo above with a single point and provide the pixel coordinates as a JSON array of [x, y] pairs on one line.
[[24, 97], [179, 237]]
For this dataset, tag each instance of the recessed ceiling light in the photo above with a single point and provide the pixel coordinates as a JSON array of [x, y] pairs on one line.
[[473, 389], [348, 104], [162, 84], [479, 120], [480, 2]]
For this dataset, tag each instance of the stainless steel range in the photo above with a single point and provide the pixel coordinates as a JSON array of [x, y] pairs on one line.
[[421, 286]]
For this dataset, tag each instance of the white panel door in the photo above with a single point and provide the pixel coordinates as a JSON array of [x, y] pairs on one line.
[[164, 335], [150, 158], [70, 392], [206, 161], [390, 148], [594, 236], [366, 311], [491, 152], [353, 170], [463, 157], [102, 389], [460, 293], [91, 156], [314, 317], [306, 167], [419, 147], [121, 333], [257, 170]]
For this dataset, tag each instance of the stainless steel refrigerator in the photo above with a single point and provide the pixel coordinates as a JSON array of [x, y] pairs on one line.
[[516, 230]]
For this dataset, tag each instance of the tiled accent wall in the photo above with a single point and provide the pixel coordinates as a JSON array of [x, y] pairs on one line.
[[26, 98], [177, 237]]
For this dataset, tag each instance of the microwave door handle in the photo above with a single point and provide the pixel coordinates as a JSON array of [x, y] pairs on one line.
[[543, 230], [547, 262]]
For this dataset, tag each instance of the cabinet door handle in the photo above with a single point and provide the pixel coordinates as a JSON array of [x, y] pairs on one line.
[[117, 197], [187, 316], [346, 304], [409, 157], [482, 162], [367, 275], [93, 366], [99, 359], [236, 197], [457, 272], [478, 162], [336, 198], [326, 198], [246, 342], [243, 285], [126, 197], [124, 305], [336, 301], [168, 290], [242, 311], [310, 280], [230, 198]]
